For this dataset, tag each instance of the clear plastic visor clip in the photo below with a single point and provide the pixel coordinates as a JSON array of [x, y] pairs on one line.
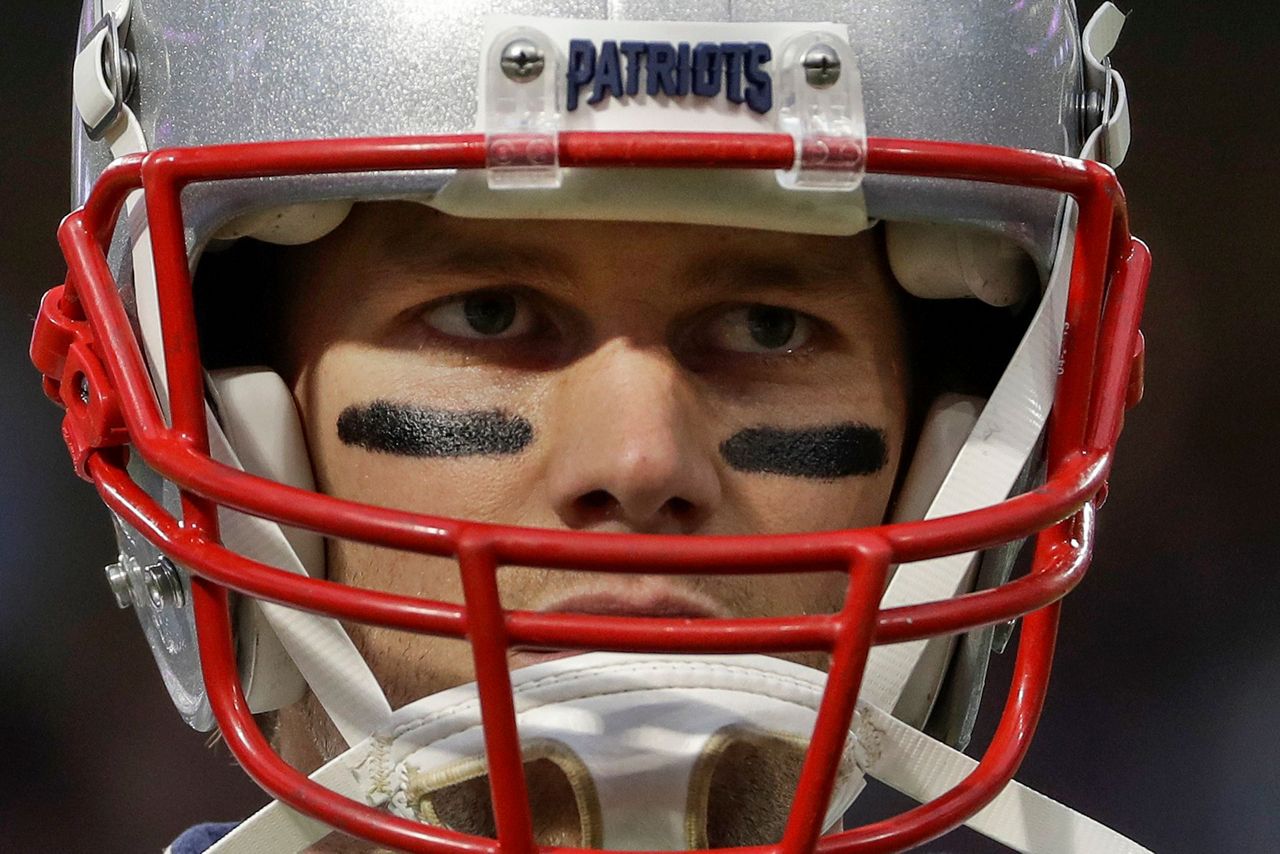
[[522, 111], [819, 98]]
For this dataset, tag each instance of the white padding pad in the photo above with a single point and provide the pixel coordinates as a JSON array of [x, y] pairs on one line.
[[984, 472], [292, 225], [257, 412], [941, 261], [280, 647]]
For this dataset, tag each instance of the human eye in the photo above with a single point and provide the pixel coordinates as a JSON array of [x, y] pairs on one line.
[[760, 329], [485, 315]]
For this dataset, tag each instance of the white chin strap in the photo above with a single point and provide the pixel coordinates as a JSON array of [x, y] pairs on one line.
[[639, 735], [638, 738]]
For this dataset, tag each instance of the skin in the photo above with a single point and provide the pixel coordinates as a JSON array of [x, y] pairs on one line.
[[631, 356]]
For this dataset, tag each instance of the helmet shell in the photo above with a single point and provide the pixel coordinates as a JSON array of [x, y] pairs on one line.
[[985, 71]]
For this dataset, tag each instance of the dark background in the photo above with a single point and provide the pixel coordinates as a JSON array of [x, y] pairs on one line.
[[1163, 707]]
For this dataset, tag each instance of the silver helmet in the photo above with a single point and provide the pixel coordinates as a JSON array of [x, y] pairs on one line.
[[158, 76]]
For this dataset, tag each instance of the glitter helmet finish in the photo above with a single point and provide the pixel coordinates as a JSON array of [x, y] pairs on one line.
[[999, 72], [975, 113]]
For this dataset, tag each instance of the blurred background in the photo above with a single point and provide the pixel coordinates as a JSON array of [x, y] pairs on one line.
[[1163, 706]]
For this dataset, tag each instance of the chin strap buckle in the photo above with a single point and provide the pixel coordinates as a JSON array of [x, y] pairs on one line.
[[105, 77], [64, 351], [1104, 108]]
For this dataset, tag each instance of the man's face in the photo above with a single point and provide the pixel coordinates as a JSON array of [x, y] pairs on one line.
[[594, 376]]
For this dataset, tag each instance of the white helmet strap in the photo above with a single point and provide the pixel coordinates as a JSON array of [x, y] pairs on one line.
[[1109, 142], [905, 677], [320, 648], [983, 473]]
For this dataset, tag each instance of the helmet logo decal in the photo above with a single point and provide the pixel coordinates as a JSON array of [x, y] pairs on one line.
[[814, 453], [735, 70], [412, 431]]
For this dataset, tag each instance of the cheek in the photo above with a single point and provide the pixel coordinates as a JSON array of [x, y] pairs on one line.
[[477, 489], [776, 504], [409, 666], [459, 475]]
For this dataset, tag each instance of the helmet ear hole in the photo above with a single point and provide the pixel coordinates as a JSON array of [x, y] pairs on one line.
[[936, 261]]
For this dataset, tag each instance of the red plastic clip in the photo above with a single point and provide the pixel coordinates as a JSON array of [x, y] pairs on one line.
[[74, 378], [56, 330]]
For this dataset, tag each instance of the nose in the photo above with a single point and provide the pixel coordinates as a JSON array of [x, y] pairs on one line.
[[631, 447]]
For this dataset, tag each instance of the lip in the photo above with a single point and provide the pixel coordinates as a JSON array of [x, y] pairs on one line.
[[668, 602], [660, 602]]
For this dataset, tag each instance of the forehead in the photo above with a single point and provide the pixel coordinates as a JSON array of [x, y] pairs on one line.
[[407, 237]]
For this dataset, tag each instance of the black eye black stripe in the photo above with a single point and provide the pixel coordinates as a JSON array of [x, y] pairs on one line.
[[816, 453], [413, 431]]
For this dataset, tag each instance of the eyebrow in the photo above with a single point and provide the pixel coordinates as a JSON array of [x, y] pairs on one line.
[[823, 276], [439, 257]]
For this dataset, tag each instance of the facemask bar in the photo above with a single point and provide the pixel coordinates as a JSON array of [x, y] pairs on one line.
[[86, 347]]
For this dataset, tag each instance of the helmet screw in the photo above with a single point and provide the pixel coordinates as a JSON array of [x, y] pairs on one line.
[[118, 581], [128, 64], [522, 61], [84, 389], [164, 587], [129, 72], [1091, 105], [821, 66]]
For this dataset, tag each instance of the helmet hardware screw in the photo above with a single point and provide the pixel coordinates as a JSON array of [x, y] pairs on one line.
[[128, 65], [129, 72], [1091, 105], [118, 581], [821, 66], [161, 581], [164, 587], [522, 61], [84, 389]]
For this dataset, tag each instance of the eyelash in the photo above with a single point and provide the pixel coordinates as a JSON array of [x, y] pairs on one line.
[[539, 342], [542, 345], [523, 314], [525, 301], [739, 328]]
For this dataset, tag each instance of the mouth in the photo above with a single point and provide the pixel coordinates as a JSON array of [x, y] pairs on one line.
[[659, 602]]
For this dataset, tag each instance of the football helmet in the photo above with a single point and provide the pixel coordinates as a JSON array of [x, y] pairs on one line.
[[980, 133]]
